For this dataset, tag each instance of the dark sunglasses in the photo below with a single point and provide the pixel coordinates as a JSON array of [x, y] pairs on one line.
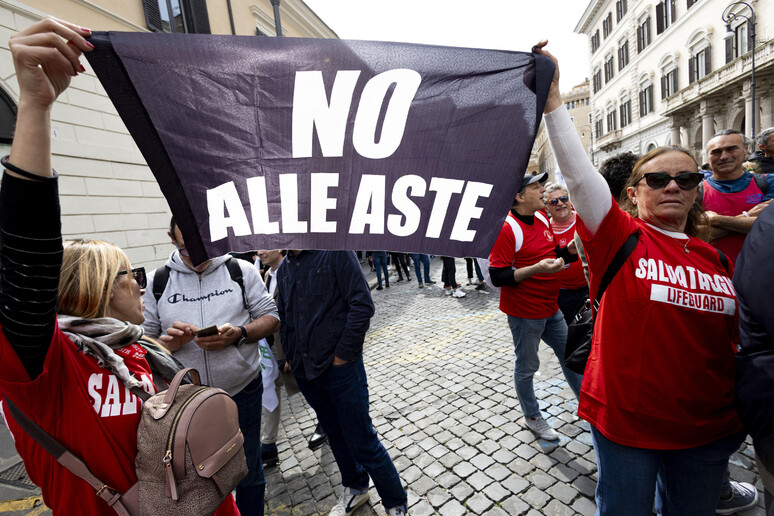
[[563, 198], [139, 276], [685, 180]]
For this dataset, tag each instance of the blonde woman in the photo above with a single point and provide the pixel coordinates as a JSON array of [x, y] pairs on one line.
[[72, 373]]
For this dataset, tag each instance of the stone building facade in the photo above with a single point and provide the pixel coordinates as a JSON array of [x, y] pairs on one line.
[[663, 72]]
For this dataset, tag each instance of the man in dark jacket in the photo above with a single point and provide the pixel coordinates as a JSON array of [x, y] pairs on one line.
[[764, 154], [325, 307], [754, 282]]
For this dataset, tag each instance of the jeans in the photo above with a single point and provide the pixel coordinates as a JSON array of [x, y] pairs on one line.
[[449, 272], [380, 262], [340, 398], [250, 491], [419, 259], [527, 334], [570, 300], [470, 263], [685, 482]]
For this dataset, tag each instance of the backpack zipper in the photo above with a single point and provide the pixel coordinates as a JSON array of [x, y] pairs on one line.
[[170, 438]]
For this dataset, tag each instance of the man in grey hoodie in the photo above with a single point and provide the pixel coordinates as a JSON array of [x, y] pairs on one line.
[[198, 296]]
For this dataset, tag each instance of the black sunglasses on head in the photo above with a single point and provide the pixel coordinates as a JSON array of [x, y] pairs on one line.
[[563, 198], [139, 276], [685, 180]]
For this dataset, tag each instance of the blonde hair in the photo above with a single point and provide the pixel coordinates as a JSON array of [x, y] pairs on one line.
[[89, 271], [697, 224]]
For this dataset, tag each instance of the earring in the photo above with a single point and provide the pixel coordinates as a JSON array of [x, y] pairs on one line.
[[634, 201]]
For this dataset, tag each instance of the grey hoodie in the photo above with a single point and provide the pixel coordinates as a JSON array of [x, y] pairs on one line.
[[211, 297]]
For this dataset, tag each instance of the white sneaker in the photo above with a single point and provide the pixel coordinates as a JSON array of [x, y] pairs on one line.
[[350, 500], [397, 511], [541, 428], [447, 291], [458, 292]]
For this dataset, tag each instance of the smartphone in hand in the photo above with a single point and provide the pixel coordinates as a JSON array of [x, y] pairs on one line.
[[207, 331]]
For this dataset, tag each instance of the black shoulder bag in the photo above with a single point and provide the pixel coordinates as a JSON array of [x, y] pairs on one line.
[[579, 332]]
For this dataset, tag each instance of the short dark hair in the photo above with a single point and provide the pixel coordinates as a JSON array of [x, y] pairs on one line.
[[616, 171], [172, 225]]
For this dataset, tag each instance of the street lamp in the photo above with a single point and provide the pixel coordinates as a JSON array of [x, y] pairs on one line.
[[728, 18], [277, 22], [591, 141]]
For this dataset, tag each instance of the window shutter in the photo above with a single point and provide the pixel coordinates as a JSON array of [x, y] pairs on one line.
[[660, 18], [650, 98], [152, 15], [640, 39], [692, 70], [729, 50], [200, 20], [642, 103], [672, 11], [663, 87], [675, 80], [708, 59], [618, 11]]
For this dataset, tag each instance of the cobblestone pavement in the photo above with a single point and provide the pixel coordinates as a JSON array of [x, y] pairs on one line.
[[443, 402]]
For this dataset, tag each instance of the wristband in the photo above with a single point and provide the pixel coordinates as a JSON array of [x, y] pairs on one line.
[[28, 175], [745, 214]]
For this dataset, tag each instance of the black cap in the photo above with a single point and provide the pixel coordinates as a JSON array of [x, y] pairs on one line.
[[529, 179]]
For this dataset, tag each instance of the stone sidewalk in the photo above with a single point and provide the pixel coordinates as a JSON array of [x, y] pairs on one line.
[[443, 402]]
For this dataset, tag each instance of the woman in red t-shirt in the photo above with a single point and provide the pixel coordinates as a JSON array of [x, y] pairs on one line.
[[658, 385], [68, 366]]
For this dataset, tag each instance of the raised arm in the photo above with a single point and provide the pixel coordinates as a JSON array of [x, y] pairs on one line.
[[45, 56], [590, 193]]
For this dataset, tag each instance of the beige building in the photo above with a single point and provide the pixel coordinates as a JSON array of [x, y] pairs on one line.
[[664, 73], [578, 105], [107, 190]]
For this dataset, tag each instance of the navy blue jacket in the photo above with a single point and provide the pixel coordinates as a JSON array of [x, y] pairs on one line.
[[754, 284], [325, 309]]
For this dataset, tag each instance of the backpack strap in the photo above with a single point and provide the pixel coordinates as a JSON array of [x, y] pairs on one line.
[[67, 459], [761, 182], [615, 265], [160, 280], [723, 260], [235, 271]]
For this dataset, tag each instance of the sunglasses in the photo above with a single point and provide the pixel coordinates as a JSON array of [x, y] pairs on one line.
[[563, 198], [685, 180], [139, 276]]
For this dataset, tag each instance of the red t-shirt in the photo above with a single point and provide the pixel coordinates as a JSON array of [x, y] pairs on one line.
[[87, 409], [731, 204], [572, 277], [661, 370], [535, 297]]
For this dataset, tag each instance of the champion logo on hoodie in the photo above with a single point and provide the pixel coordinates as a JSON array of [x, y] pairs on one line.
[[177, 298]]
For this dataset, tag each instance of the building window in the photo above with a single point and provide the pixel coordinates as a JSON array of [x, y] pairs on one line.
[[7, 117], [620, 9], [598, 127], [623, 55], [665, 15], [669, 83], [597, 80], [179, 16], [643, 34], [609, 69], [700, 64], [625, 111], [595, 41], [689, 3], [739, 45], [646, 99], [607, 25], [611, 126]]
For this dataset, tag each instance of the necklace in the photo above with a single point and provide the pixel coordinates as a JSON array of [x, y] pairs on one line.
[[685, 246]]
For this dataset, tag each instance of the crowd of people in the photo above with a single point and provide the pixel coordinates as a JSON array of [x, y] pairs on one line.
[[657, 390]]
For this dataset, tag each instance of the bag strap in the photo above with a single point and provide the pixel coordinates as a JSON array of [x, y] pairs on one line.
[[67, 459], [235, 271], [761, 181], [160, 280], [723, 259], [615, 265]]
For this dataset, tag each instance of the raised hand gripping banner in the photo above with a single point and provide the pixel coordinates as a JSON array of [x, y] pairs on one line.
[[292, 143]]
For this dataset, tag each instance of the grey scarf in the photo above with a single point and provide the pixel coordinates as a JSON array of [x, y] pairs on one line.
[[99, 337]]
